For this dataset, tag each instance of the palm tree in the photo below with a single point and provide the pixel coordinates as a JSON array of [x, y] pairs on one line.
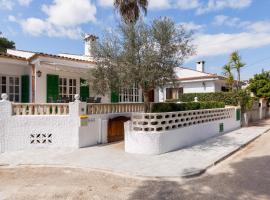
[[235, 61], [130, 9], [227, 71]]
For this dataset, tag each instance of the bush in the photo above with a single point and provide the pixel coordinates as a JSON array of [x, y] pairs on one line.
[[229, 98], [173, 107]]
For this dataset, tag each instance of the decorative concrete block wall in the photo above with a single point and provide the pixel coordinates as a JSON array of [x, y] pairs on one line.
[[157, 133]]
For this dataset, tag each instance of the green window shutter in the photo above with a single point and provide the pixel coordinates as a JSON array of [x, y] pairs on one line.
[[114, 96], [238, 114], [52, 87], [25, 87], [84, 89]]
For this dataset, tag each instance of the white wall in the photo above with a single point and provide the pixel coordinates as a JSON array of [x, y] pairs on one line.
[[197, 87], [14, 67], [17, 131], [158, 142]]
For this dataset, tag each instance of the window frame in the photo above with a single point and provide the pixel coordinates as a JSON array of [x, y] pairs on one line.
[[130, 94], [68, 86], [14, 86]]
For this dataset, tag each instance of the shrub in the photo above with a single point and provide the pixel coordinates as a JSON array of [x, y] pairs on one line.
[[229, 98], [173, 107]]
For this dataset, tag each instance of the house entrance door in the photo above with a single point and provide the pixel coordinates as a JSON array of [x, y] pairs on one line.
[[116, 129]]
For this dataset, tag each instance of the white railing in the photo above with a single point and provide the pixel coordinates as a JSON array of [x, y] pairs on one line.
[[40, 109], [153, 122], [105, 108]]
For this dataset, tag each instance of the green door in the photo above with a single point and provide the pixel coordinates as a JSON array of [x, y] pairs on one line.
[[84, 89], [52, 87], [25, 93], [114, 96]]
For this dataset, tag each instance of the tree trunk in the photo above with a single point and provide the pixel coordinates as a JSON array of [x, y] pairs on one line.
[[146, 102], [238, 83]]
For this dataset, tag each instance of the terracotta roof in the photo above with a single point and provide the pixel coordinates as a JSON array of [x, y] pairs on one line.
[[60, 57], [201, 77], [5, 55]]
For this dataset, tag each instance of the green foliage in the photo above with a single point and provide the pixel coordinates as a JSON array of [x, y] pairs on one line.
[[140, 53], [237, 64], [245, 101], [227, 71], [173, 107], [260, 85], [229, 98], [6, 44], [241, 98]]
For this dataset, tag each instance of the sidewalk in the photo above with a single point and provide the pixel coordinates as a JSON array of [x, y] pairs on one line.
[[185, 162]]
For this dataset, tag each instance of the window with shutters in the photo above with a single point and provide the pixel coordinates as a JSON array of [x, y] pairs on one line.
[[11, 86]]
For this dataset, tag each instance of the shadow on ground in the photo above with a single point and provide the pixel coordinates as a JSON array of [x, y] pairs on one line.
[[248, 179]]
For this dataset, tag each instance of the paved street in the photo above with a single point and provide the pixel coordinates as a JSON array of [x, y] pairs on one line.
[[243, 176]]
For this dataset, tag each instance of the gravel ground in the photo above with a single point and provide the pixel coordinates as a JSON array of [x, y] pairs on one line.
[[243, 176]]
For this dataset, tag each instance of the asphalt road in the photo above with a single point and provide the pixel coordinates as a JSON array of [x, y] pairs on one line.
[[243, 176]]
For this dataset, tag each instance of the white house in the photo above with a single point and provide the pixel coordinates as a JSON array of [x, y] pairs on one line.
[[39, 77], [192, 81]]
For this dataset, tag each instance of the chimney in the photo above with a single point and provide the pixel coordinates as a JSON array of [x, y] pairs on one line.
[[200, 66], [89, 44]]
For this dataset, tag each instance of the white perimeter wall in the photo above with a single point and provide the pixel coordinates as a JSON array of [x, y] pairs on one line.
[[164, 141], [19, 132]]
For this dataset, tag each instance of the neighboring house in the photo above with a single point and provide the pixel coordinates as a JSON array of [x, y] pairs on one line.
[[192, 81], [39, 77]]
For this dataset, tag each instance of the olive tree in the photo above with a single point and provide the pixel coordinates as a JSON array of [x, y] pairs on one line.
[[140, 53]]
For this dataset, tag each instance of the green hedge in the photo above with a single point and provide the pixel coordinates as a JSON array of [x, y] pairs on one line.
[[229, 98], [172, 107]]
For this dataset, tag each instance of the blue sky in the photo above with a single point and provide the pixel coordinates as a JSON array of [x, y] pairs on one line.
[[220, 27]]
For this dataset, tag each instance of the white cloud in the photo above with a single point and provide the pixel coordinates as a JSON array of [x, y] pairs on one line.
[[159, 5], [12, 18], [200, 6], [260, 26], [34, 26], [223, 20], [255, 34], [215, 5], [9, 4], [63, 19], [6, 4], [70, 13], [188, 4], [24, 2], [220, 20], [105, 3], [37, 27], [191, 26]]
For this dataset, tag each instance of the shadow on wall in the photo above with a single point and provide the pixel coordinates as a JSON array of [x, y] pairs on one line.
[[249, 179]]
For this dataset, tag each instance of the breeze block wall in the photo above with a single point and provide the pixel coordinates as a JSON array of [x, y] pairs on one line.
[[157, 133]]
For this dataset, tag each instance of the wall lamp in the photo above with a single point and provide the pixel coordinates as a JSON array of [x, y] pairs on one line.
[[39, 73]]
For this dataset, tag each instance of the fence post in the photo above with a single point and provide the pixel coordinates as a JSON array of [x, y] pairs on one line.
[[77, 107], [262, 108], [5, 114]]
